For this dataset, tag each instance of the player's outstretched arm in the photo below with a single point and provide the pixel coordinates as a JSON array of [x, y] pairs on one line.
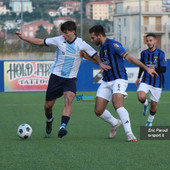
[[87, 57], [135, 61], [96, 60], [103, 66], [139, 76], [35, 41], [137, 81]]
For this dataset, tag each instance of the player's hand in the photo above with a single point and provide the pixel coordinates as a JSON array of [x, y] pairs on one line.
[[137, 81], [18, 34], [104, 67], [152, 72], [152, 67], [84, 55]]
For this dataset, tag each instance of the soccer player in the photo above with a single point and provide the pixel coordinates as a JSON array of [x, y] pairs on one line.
[[155, 59], [63, 78], [114, 83]]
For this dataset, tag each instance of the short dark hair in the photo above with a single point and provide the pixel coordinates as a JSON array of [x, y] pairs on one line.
[[68, 25], [151, 35], [97, 29]]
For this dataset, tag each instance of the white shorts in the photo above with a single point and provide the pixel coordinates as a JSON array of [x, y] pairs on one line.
[[154, 92], [107, 89]]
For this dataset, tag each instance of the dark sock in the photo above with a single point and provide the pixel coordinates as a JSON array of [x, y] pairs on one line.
[[49, 116], [64, 121], [143, 101], [152, 113]]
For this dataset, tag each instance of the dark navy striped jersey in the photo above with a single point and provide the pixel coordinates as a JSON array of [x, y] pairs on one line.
[[111, 53], [156, 59]]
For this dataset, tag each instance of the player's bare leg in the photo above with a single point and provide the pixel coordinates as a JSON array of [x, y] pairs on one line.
[[48, 112], [100, 106], [103, 113], [142, 98], [68, 98], [151, 116]]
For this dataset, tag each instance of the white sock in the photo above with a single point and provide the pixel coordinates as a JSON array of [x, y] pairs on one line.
[[150, 118], [124, 117], [146, 102], [107, 117]]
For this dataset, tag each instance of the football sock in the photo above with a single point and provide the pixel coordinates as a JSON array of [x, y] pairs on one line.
[[49, 116], [151, 116], [107, 117], [64, 121], [124, 117]]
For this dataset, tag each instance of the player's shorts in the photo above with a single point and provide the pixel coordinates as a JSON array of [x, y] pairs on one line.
[[58, 85], [107, 89], [154, 92]]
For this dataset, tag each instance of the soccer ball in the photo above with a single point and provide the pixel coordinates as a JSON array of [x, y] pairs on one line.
[[24, 131]]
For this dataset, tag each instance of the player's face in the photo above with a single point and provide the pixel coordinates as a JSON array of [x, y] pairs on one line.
[[68, 35], [95, 39], [151, 42]]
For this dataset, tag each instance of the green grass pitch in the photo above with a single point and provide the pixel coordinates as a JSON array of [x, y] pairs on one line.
[[86, 147]]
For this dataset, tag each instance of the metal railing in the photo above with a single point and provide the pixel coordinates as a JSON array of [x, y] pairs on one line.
[[155, 28], [135, 9]]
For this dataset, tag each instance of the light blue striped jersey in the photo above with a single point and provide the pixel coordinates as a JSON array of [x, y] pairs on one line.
[[67, 61]]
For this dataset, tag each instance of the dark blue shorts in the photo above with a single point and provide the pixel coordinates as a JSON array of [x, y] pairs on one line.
[[58, 85]]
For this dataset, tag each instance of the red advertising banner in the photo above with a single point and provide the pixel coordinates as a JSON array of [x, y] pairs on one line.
[[26, 75]]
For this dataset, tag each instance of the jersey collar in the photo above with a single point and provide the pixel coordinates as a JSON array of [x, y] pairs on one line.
[[73, 40], [153, 51], [105, 42]]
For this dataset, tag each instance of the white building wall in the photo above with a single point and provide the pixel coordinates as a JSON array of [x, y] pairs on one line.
[[16, 6], [151, 9]]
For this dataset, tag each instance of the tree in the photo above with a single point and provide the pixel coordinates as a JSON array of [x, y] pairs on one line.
[[41, 32], [2, 45], [54, 32]]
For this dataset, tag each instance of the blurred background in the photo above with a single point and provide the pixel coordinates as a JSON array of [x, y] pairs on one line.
[[127, 21]]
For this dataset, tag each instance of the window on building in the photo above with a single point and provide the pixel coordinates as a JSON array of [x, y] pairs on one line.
[[31, 34], [124, 22], [158, 23], [146, 6], [125, 40], [145, 20], [144, 39], [119, 33], [31, 28]]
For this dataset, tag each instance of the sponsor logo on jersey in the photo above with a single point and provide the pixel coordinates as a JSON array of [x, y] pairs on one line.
[[116, 46], [105, 52], [155, 62]]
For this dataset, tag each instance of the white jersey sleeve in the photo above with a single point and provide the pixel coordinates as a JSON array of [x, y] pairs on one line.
[[52, 41], [88, 49], [67, 60]]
